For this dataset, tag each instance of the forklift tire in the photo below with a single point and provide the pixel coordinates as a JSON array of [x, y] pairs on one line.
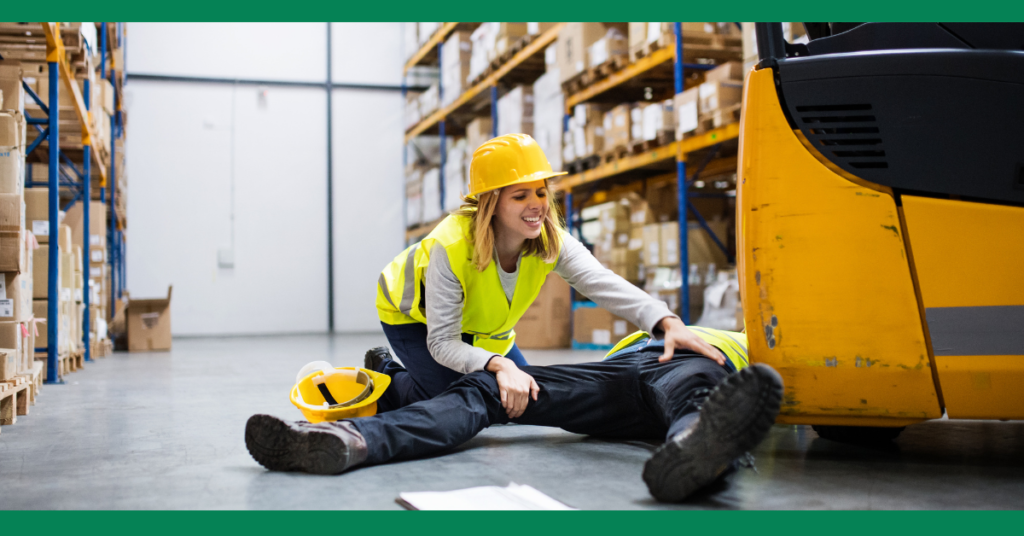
[[858, 435]]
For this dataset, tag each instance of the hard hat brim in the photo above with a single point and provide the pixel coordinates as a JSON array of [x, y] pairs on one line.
[[538, 176]]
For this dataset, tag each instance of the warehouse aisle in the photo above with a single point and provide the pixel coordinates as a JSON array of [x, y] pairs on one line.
[[164, 431]]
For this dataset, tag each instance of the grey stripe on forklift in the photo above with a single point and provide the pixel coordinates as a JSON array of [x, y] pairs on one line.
[[992, 330]]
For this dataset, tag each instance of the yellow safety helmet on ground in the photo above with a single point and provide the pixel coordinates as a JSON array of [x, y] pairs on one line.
[[330, 394], [507, 160]]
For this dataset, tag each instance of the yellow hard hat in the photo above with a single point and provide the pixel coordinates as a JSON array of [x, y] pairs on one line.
[[332, 394], [507, 160]]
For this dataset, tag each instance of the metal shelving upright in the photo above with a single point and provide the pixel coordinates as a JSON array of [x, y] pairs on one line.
[[58, 70], [116, 243]]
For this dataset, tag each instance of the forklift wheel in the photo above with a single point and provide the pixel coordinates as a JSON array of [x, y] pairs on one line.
[[859, 435]]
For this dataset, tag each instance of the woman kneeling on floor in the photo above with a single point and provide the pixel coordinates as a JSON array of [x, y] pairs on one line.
[[448, 306]]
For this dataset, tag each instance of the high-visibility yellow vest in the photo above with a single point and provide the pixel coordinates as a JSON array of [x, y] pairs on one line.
[[486, 312], [731, 343]]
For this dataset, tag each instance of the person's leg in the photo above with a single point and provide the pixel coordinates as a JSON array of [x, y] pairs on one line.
[[713, 418], [590, 398], [419, 376]]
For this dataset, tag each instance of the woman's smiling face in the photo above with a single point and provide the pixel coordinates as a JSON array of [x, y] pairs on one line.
[[522, 209]]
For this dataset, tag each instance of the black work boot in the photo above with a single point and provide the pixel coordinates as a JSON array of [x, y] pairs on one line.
[[734, 419], [325, 448], [376, 358]]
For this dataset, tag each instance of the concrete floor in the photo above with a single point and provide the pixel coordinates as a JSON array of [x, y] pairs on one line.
[[164, 431]]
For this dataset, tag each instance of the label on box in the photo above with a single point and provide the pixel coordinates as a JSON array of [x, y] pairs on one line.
[[601, 336], [78, 294], [706, 90], [95, 271], [150, 319], [688, 117], [635, 244], [65, 294], [96, 255], [3, 287], [6, 308], [95, 240], [619, 327], [41, 227]]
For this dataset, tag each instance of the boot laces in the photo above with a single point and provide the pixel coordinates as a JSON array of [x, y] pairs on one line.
[[747, 460]]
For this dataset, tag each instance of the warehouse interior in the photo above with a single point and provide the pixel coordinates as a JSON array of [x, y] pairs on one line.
[[701, 163]]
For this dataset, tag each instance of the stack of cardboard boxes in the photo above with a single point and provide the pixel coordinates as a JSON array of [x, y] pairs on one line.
[[95, 282], [602, 40], [515, 111], [549, 110], [713, 104], [585, 135], [455, 57], [16, 320]]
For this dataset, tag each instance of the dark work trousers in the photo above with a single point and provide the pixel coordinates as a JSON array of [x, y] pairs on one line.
[[631, 396], [421, 377]]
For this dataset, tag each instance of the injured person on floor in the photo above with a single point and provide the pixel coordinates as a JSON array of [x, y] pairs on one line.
[[709, 415]]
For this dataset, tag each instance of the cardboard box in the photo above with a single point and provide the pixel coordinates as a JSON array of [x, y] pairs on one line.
[[67, 274], [14, 336], [617, 127], [12, 233], [9, 358], [719, 95], [455, 56], [12, 132], [37, 211], [10, 84], [105, 93], [573, 41], [669, 248], [613, 44], [149, 324], [16, 297], [651, 252], [597, 327], [637, 35], [507, 34], [12, 170], [478, 131], [546, 324], [97, 224], [658, 117], [687, 112], [728, 71], [515, 111], [64, 238], [41, 271]]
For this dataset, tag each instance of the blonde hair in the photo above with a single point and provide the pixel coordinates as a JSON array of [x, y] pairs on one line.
[[480, 210]]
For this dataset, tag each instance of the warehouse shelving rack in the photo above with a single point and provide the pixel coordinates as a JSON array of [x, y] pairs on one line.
[[659, 157], [116, 243], [59, 70], [638, 73], [470, 100]]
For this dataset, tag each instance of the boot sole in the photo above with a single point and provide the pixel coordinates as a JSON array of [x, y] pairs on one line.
[[679, 468], [278, 447]]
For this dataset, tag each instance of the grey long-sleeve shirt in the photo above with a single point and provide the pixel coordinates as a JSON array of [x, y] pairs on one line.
[[575, 264]]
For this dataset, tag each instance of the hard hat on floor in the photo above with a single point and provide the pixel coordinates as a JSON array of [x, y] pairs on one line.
[[507, 160], [325, 393]]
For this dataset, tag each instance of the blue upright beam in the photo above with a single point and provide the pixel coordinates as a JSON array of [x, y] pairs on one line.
[[112, 178], [494, 111], [86, 236], [52, 296], [684, 253]]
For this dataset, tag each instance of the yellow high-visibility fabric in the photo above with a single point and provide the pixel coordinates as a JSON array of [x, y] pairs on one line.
[[486, 312], [733, 344]]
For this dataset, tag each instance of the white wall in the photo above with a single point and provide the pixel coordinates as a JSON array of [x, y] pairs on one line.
[[258, 50], [180, 154], [368, 179]]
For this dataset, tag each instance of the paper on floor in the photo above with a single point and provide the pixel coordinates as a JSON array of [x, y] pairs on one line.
[[513, 497]]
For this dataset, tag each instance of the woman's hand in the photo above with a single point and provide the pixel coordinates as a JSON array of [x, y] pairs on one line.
[[678, 336], [516, 386]]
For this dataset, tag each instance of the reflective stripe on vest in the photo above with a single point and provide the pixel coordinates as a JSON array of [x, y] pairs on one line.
[[731, 343], [486, 312]]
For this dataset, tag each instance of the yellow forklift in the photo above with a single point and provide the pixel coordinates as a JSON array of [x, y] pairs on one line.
[[880, 223]]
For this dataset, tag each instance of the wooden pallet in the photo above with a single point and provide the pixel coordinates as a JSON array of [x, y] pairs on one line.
[[617, 153], [583, 164], [594, 75], [664, 137], [35, 377], [14, 396], [718, 118], [696, 45], [504, 57]]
